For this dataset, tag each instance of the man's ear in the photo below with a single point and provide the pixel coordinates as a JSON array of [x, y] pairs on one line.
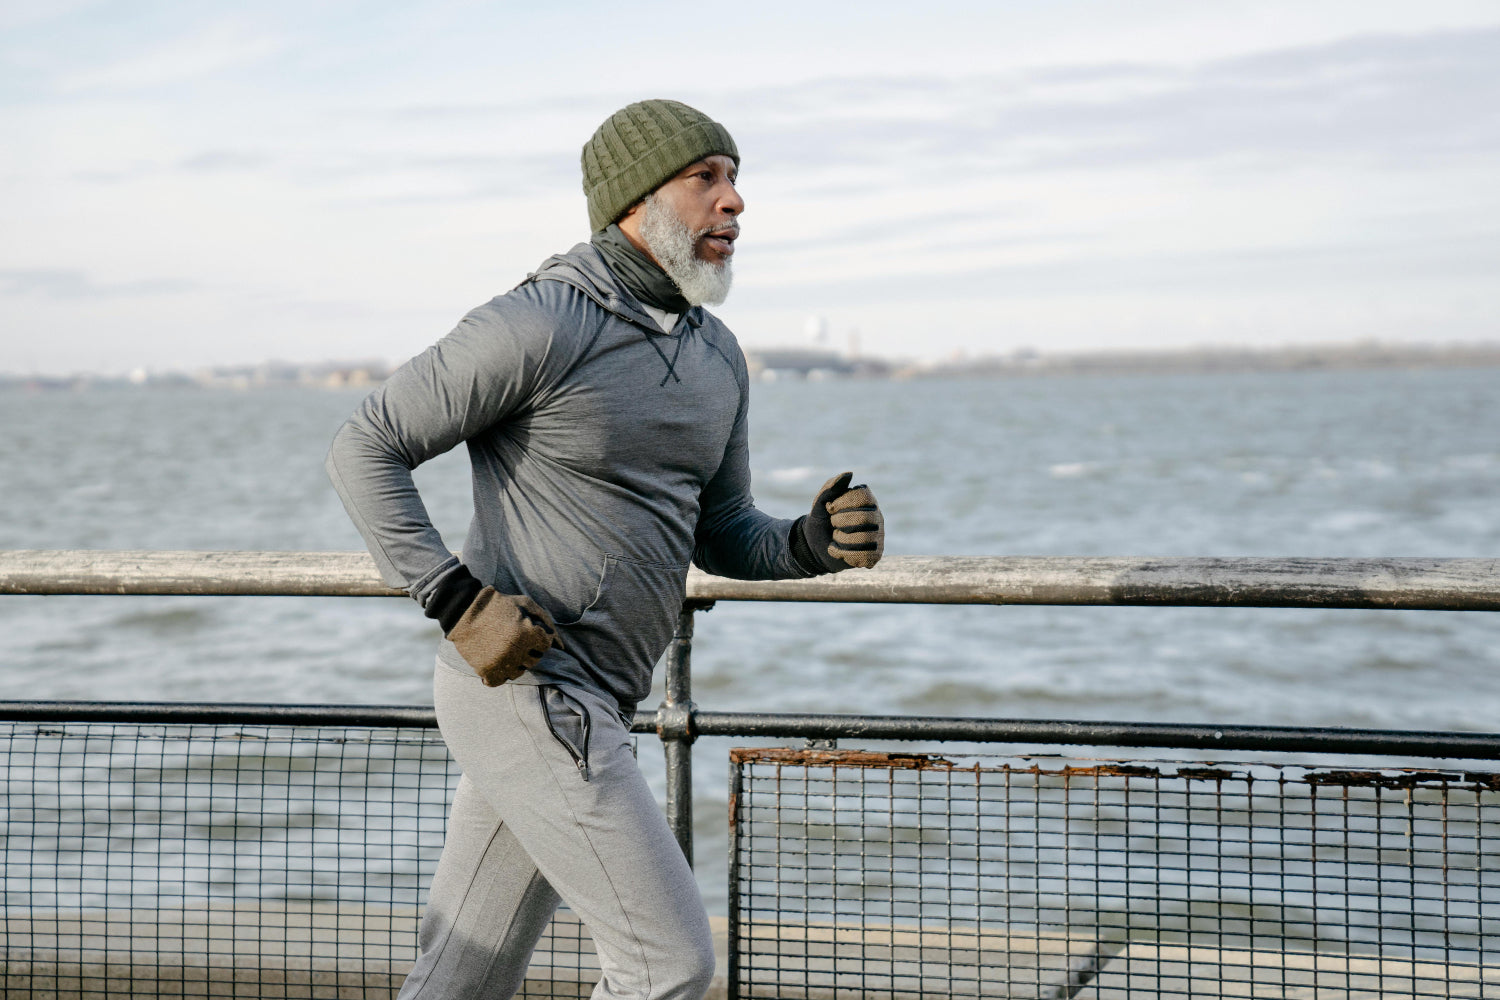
[[630, 225]]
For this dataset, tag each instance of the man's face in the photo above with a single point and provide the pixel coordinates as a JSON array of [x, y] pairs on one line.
[[702, 195]]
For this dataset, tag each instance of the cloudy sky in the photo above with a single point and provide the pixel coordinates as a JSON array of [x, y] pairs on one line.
[[188, 184]]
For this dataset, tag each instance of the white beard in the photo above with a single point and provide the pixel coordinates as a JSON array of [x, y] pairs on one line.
[[675, 248]]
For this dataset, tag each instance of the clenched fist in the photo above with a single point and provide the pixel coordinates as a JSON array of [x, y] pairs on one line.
[[845, 528], [503, 635]]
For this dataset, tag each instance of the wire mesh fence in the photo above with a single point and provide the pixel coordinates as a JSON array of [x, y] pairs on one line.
[[262, 860], [228, 860], [859, 874]]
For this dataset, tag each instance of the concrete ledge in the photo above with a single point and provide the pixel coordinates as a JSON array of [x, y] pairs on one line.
[[872, 962], [259, 951], [1294, 975], [328, 951]]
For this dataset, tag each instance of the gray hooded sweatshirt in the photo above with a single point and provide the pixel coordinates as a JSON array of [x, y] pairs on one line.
[[603, 463]]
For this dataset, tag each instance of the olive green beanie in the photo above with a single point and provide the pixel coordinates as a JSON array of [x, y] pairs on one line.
[[639, 147]]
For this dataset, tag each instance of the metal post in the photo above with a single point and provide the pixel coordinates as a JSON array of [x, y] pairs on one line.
[[736, 789], [674, 725]]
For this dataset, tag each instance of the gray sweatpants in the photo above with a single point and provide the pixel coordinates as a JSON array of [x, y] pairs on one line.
[[552, 804]]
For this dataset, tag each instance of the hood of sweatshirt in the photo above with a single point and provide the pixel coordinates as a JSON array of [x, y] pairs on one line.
[[584, 268]]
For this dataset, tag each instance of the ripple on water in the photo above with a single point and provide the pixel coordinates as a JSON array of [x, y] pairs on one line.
[[166, 622]]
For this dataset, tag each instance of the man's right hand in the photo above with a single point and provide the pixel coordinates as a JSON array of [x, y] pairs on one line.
[[503, 635]]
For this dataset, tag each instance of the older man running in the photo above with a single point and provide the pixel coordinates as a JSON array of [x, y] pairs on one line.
[[605, 415]]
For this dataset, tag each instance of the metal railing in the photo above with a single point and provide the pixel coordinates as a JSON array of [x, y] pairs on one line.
[[1393, 584], [881, 875], [1396, 584]]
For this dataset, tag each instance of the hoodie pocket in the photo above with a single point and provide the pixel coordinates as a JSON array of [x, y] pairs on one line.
[[569, 723], [633, 611]]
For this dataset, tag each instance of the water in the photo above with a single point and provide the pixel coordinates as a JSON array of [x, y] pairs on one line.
[[1314, 464]]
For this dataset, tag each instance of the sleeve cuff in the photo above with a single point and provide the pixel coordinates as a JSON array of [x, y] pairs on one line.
[[802, 553], [452, 597]]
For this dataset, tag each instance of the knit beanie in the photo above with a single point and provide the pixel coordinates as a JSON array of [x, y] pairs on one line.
[[639, 147]]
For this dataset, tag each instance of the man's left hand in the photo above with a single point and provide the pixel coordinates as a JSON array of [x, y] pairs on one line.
[[845, 528]]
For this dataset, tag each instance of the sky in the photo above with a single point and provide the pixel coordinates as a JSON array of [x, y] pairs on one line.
[[190, 184]]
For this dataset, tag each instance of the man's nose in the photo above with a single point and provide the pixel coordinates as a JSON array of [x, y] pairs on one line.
[[730, 202]]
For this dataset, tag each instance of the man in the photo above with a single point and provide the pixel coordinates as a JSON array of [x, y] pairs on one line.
[[605, 414]]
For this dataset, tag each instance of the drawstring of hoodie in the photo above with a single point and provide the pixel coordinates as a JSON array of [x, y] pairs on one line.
[[671, 364], [647, 282]]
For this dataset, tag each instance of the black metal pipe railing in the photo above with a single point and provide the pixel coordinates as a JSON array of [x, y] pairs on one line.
[[1063, 732], [770, 725], [1390, 584], [673, 725], [218, 713]]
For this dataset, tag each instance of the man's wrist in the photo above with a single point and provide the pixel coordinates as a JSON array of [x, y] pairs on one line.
[[452, 597], [802, 553]]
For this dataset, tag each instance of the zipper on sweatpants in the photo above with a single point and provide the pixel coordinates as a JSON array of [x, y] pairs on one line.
[[580, 759]]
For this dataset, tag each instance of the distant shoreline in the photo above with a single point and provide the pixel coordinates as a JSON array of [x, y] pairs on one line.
[[1369, 356], [772, 364]]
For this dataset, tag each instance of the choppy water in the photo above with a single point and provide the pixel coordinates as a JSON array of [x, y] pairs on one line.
[[1351, 464]]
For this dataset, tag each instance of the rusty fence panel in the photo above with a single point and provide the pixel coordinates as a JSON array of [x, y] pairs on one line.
[[862, 874], [217, 859]]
